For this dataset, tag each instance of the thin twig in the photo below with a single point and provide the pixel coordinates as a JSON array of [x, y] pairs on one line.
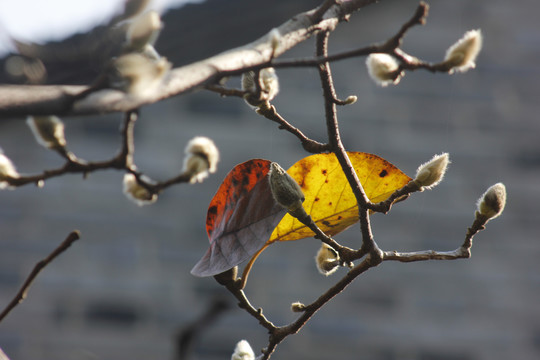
[[223, 91], [244, 303], [270, 112], [419, 18], [58, 99], [334, 139], [397, 196], [123, 160], [389, 46], [346, 254], [463, 252], [308, 144], [21, 295], [279, 334]]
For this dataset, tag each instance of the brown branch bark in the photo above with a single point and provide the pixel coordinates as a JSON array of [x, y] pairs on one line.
[[123, 160], [278, 334], [336, 145], [21, 294], [308, 144]]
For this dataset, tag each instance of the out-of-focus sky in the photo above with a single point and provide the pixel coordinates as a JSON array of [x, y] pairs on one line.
[[40, 21]]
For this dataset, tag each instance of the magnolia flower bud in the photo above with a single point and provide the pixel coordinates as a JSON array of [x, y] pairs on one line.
[[462, 55], [286, 191], [327, 260], [136, 192], [269, 86], [383, 69], [201, 158], [351, 99], [7, 171], [432, 172], [298, 307], [137, 74], [143, 30], [492, 203], [48, 131], [243, 351]]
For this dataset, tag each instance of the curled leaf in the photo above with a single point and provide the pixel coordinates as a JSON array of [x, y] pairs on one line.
[[240, 218]]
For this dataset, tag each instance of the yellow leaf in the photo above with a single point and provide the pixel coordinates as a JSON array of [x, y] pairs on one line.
[[329, 197]]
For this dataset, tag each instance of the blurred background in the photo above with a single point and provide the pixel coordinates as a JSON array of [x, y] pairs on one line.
[[124, 291]]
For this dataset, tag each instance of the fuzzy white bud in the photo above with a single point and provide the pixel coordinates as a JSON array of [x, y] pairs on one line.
[[383, 69], [48, 131], [327, 260], [269, 83], [143, 30], [351, 99], [492, 203], [137, 74], [202, 157], [7, 171], [462, 55], [298, 307], [243, 351], [136, 192], [431, 173]]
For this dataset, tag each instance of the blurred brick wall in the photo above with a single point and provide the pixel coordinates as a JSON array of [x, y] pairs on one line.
[[124, 290]]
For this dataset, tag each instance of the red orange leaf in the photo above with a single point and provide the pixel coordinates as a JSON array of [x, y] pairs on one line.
[[240, 218]]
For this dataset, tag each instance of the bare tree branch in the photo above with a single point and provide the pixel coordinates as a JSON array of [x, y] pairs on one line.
[[123, 160], [463, 252], [308, 144], [57, 99], [278, 334], [73, 100], [334, 139], [21, 295]]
